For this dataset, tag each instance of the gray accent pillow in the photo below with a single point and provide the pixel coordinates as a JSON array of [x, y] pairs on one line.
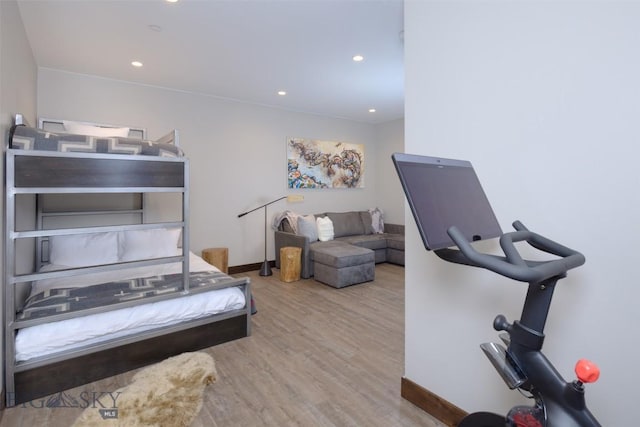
[[346, 223], [365, 216], [307, 227]]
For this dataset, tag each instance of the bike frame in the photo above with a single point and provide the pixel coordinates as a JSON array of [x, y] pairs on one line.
[[563, 402]]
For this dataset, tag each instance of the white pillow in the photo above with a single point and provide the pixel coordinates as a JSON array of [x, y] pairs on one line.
[[145, 244], [81, 250], [377, 220], [325, 229], [307, 227], [82, 129]]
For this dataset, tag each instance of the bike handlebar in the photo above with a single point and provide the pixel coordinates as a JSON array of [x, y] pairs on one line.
[[512, 265]]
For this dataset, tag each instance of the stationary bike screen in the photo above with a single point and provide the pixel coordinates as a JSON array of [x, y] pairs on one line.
[[445, 192]]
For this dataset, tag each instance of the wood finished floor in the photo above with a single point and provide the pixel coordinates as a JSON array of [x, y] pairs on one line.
[[318, 356]]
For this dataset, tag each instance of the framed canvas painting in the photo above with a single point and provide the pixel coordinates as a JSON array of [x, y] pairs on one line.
[[324, 164]]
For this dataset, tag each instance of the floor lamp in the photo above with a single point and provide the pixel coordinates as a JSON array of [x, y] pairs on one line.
[[265, 268]]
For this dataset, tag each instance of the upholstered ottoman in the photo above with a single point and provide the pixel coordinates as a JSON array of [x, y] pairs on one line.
[[339, 264]]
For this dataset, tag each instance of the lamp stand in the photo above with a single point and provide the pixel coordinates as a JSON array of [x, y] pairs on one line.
[[265, 268]]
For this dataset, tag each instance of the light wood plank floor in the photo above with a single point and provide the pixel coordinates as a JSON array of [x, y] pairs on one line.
[[318, 356]]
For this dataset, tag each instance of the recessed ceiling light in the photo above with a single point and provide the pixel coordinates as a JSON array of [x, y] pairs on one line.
[[372, 110], [358, 58], [172, 1], [282, 92], [136, 64]]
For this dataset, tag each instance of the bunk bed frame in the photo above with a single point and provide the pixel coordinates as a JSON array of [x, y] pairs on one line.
[[42, 172]]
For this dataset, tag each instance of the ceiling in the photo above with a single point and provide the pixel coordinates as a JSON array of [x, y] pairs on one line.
[[235, 49]]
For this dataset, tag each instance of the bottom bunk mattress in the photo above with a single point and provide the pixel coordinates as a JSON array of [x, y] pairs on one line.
[[70, 334]]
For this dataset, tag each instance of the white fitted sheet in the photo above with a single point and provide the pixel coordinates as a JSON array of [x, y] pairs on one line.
[[46, 339]]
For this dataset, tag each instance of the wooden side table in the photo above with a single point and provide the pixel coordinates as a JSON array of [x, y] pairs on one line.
[[290, 263], [218, 257]]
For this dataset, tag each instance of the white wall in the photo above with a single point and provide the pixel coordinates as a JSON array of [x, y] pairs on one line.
[[543, 98], [17, 68], [237, 152], [17, 91], [390, 197]]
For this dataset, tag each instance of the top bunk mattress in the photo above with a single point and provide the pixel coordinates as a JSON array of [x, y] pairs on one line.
[[28, 138]]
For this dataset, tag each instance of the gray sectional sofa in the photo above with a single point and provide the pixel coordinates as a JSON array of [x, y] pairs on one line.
[[350, 256]]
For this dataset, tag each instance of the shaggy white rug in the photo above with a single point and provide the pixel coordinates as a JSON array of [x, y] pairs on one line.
[[167, 394]]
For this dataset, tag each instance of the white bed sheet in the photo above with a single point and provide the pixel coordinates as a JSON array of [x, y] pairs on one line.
[[46, 339]]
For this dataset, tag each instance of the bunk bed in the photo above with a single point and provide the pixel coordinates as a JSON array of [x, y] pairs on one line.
[[103, 296]]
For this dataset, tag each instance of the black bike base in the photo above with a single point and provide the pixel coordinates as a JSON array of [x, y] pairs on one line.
[[483, 419]]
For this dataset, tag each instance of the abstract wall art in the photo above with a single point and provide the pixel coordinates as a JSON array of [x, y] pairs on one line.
[[324, 164]]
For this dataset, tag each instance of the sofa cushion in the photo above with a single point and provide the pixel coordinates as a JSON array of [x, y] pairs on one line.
[[321, 245], [365, 216], [394, 229], [394, 256], [369, 241], [395, 241], [346, 223]]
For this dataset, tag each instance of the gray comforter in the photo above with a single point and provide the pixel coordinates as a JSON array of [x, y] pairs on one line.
[[64, 300], [28, 138]]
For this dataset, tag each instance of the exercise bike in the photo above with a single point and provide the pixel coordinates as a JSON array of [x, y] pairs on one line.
[[522, 365], [446, 191]]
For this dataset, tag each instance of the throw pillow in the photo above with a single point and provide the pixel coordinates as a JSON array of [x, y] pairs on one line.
[[366, 222], [82, 250], [325, 229], [307, 227], [377, 223], [137, 245]]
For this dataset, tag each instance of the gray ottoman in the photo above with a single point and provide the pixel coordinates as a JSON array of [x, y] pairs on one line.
[[339, 264]]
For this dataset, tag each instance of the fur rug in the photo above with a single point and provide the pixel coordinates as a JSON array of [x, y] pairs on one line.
[[166, 394]]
